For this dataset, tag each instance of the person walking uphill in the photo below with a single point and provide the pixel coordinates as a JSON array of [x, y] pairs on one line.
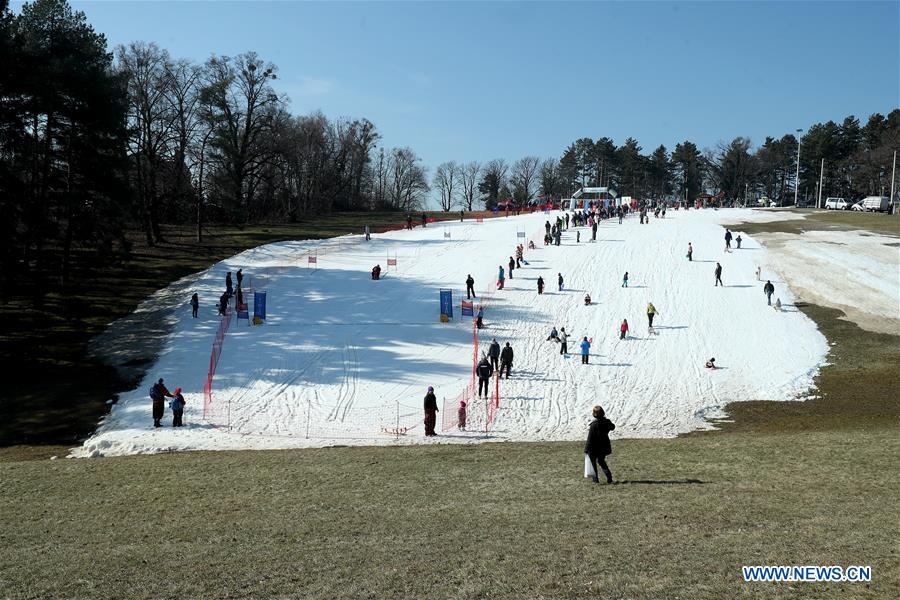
[[768, 290], [623, 329], [431, 411], [494, 354], [651, 312], [598, 446], [585, 350], [506, 360], [719, 275], [158, 394], [470, 288], [484, 370]]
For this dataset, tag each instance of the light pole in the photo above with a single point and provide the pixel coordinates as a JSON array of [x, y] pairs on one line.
[[797, 176]]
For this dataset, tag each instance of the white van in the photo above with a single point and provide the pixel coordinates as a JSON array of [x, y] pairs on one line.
[[876, 203], [836, 204]]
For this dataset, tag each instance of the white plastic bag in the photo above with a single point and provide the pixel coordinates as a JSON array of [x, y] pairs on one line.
[[589, 467]]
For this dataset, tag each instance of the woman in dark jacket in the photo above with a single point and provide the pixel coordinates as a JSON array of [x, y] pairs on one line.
[[431, 410], [597, 446]]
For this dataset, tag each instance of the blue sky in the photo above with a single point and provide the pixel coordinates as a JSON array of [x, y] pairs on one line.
[[466, 81]]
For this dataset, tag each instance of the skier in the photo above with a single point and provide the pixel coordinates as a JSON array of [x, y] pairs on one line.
[[597, 446], [506, 359], [651, 312], [540, 284], [559, 280], [564, 341], [553, 335], [738, 240], [479, 323], [768, 290], [494, 353], [158, 394], [431, 411], [690, 254], [512, 266], [461, 415], [585, 350], [500, 278], [625, 279], [177, 406], [195, 305], [228, 288], [727, 240], [484, 370], [623, 329], [719, 275], [470, 287]]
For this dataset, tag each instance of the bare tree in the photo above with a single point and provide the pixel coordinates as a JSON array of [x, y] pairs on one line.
[[469, 175], [182, 92], [408, 179], [524, 178], [446, 178]]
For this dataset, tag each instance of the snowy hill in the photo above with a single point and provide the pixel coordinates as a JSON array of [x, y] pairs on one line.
[[345, 359]]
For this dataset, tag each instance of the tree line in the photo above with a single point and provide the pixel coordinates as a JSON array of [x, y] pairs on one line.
[[95, 141]]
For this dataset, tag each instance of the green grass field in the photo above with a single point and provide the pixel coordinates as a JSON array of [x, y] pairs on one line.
[[786, 483]]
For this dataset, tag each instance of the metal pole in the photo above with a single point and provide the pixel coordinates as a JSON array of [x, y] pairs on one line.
[[893, 172], [797, 176], [821, 179]]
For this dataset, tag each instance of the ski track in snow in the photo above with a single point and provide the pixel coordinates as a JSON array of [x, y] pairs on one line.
[[341, 355]]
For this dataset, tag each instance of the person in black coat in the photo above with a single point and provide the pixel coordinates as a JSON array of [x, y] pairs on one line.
[[768, 290], [597, 446], [195, 305], [506, 359], [431, 411], [470, 288], [494, 354], [540, 284], [484, 370]]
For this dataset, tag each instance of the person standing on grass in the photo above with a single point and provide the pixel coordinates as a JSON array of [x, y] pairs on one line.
[[719, 275], [158, 394], [484, 370], [494, 354], [585, 350], [768, 290], [431, 411], [727, 240], [470, 287], [690, 254], [623, 329], [506, 360], [177, 406], [540, 284], [195, 305], [598, 446], [651, 312], [625, 279]]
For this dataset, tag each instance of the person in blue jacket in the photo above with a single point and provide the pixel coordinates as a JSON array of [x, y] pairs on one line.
[[501, 278], [585, 350]]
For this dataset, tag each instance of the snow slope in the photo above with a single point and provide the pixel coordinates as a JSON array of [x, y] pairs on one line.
[[342, 358]]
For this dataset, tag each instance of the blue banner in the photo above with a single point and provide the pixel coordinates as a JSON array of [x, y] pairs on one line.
[[447, 303], [259, 305]]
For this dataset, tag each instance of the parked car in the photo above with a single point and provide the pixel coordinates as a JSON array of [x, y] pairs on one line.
[[836, 204], [876, 203], [858, 207]]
